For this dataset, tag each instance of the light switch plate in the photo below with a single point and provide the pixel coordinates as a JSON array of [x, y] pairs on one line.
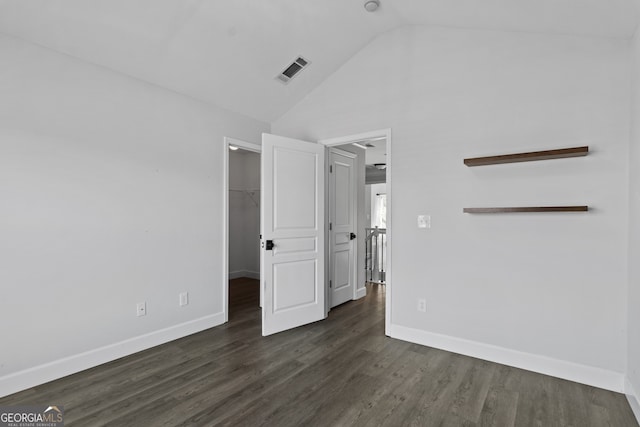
[[424, 221], [184, 299]]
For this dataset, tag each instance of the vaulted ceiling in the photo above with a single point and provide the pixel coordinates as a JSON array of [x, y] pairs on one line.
[[227, 52]]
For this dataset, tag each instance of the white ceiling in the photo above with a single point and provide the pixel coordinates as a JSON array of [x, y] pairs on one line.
[[227, 52]]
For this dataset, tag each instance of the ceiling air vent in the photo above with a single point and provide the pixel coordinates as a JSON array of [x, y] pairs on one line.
[[292, 70]]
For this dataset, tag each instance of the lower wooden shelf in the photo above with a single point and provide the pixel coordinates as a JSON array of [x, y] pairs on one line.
[[526, 209]]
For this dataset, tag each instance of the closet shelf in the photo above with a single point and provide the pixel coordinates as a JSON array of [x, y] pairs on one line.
[[528, 157], [526, 209]]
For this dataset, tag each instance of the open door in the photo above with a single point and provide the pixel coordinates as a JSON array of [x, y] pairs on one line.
[[293, 233], [342, 226]]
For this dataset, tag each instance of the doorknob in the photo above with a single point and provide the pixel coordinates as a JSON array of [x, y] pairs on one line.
[[270, 245], [352, 236]]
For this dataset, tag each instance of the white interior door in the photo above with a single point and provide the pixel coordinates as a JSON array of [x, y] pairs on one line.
[[292, 221], [342, 226]]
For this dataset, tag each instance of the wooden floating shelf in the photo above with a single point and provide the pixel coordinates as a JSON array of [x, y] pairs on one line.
[[528, 157], [527, 209]]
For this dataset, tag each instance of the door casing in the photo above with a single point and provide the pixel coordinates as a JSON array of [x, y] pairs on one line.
[[329, 142], [249, 146], [349, 139]]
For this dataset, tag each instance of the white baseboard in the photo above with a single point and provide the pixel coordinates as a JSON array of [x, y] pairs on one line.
[[236, 274], [633, 398], [584, 374], [244, 273], [252, 275], [361, 293], [37, 375]]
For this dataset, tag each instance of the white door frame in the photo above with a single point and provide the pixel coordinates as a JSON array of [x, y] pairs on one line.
[[249, 146], [349, 139]]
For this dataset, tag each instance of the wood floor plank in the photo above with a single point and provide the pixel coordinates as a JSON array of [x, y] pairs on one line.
[[471, 394], [438, 401], [305, 389], [145, 384], [499, 408], [535, 402], [620, 413], [215, 404], [342, 371], [370, 402]]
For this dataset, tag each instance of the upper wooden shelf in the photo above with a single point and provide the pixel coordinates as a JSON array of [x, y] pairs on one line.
[[528, 157], [527, 209]]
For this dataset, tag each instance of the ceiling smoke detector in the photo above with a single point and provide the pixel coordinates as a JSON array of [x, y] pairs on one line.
[[371, 5]]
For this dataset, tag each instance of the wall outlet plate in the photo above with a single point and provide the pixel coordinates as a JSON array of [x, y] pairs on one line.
[[184, 299], [422, 305], [141, 309]]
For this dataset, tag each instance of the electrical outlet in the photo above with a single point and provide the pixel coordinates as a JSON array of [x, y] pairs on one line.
[[422, 305], [184, 299], [141, 309]]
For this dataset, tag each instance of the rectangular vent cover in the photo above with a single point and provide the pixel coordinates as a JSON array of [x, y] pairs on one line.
[[292, 70]]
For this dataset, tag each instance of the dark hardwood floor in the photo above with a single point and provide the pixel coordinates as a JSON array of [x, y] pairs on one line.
[[339, 372]]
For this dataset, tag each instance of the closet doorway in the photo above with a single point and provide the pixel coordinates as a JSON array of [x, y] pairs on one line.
[[242, 231]]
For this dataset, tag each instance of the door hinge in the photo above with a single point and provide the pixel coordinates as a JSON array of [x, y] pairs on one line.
[[330, 168], [330, 284], [330, 226]]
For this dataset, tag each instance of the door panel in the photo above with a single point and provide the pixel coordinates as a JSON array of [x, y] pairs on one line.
[[341, 238], [293, 219], [342, 209], [287, 293], [343, 270], [292, 245], [343, 196], [295, 173]]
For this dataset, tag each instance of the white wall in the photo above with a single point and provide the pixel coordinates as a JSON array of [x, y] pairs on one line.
[[111, 194], [633, 355], [244, 214], [542, 291]]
